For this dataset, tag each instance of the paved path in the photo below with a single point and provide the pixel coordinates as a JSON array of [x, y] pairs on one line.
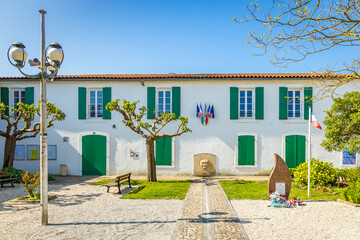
[[208, 214]]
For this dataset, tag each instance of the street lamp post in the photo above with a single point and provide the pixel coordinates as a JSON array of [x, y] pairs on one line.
[[51, 59]]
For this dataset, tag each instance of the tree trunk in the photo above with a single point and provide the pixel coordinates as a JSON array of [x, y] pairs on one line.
[[150, 154], [9, 152]]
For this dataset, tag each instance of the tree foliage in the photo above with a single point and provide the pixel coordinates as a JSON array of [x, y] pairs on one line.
[[342, 123], [296, 29], [20, 125], [133, 119]]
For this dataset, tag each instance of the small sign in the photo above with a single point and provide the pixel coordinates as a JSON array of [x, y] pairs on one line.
[[280, 188]]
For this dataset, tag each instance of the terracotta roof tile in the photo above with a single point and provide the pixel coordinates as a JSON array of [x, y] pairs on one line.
[[185, 76]]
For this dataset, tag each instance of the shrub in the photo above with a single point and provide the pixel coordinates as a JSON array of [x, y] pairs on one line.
[[350, 174], [352, 193], [51, 177], [292, 170], [321, 174], [14, 173], [30, 181]]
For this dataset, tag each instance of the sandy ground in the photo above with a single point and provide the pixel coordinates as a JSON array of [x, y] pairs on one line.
[[314, 220], [84, 211]]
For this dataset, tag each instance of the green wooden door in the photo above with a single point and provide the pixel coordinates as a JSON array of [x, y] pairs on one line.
[[246, 150], [93, 155], [163, 155], [294, 150]]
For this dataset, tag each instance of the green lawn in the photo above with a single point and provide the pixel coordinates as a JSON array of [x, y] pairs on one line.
[[155, 190], [258, 190]]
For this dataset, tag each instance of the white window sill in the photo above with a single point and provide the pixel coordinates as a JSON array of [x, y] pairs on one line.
[[246, 120], [295, 121], [246, 166], [95, 120], [165, 167], [349, 165]]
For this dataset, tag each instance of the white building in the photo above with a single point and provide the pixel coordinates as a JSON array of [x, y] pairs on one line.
[[256, 115]]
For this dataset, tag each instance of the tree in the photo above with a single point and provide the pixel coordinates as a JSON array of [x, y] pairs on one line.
[[342, 123], [19, 125], [149, 131], [296, 29]]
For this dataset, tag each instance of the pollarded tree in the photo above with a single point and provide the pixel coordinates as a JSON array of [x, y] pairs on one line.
[[343, 124], [149, 131], [20, 125], [296, 29]]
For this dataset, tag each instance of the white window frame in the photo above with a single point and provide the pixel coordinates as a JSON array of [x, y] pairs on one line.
[[301, 117], [12, 96], [348, 165], [21, 152], [172, 166], [157, 100], [96, 103], [236, 158], [252, 104]]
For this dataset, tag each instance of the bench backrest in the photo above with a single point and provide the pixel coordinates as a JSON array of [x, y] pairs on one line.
[[123, 177]]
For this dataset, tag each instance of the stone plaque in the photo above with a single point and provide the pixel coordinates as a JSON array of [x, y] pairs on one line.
[[280, 178], [204, 164], [280, 188]]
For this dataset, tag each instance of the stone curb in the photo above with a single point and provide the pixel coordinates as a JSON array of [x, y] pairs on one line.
[[349, 203]]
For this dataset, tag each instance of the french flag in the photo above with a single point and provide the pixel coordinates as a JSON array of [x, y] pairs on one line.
[[314, 122]]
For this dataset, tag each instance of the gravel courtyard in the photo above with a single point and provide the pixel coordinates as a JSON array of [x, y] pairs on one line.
[[83, 211]]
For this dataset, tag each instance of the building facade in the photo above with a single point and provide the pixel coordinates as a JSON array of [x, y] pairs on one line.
[[250, 117]]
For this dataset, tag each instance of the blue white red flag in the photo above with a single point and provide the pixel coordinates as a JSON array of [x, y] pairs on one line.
[[200, 113], [212, 112], [197, 110], [314, 122]]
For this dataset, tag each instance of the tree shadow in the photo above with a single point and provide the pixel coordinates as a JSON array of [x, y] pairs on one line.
[[108, 223]]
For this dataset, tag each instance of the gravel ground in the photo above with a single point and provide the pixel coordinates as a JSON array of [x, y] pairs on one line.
[[83, 211], [313, 220]]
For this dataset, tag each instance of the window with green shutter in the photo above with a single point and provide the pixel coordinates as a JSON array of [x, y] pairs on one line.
[[294, 150], [283, 103], [246, 150], [106, 100], [259, 103], [176, 101], [5, 99], [163, 151], [151, 103], [29, 95], [308, 95], [247, 103], [234, 103], [82, 103]]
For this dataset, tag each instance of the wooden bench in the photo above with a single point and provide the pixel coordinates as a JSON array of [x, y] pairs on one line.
[[5, 177], [342, 182], [117, 182]]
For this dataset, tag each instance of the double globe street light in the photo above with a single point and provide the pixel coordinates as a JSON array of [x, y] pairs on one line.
[[51, 60]]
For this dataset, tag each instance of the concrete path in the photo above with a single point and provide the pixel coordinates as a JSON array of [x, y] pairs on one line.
[[208, 214]]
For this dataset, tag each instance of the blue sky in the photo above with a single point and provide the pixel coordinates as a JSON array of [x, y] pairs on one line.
[[138, 36]]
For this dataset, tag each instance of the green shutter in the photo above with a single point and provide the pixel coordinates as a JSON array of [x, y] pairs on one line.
[[283, 102], [29, 95], [234, 103], [290, 151], [294, 150], [163, 156], [246, 150], [151, 102], [82, 103], [308, 95], [5, 99], [301, 154], [106, 100], [259, 103], [176, 101]]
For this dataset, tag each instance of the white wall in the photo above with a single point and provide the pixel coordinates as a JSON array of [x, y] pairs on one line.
[[219, 137]]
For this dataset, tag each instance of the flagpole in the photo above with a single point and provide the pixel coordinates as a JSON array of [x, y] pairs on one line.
[[309, 151]]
